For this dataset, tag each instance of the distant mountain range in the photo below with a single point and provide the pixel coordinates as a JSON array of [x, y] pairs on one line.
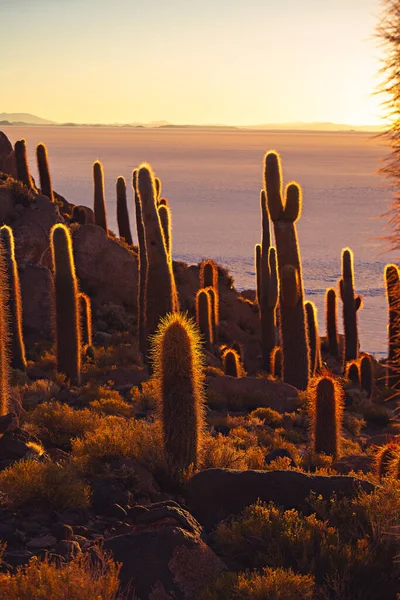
[[28, 119]]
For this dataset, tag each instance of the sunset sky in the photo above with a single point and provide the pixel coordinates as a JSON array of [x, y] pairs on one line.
[[238, 62]]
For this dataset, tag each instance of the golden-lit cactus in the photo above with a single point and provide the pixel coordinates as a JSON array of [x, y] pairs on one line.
[[178, 369], [351, 304], [392, 283], [385, 457], [209, 281], [313, 338], [163, 202], [353, 372], [100, 211], [21, 160], [257, 262], [214, 305], [68, 330], [276, 362], [366, 375], [4, 339], [142, 269], [284, 212], [42, 158], [331, 318], [203, 316], [161, 296], [231, 363], [326, 415], [158, 186], [124, 227], [165, 218], [85, 310], [14, 301]]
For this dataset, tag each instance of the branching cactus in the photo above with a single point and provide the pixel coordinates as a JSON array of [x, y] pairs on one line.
[[326, 415], [14, 301], [203, 316], [4, 340], [46, 187], [366, 373], [231, 363], [351, 304], [124, 227], [68, 332], [313, 338], [85, 309], [178, 368], [100, 211], [142, 269], [392, 281], [21, 159], [284, 212], [331, 317], [161, 296], [165, 218]]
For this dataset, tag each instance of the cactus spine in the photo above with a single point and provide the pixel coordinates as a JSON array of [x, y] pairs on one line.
[[178, 367], [100, 212], [4, 339], [326, 413], [313, 338], [165, 218], [18, 360], [122, 212], [203, 316], [331, 317], [85, 310], [366, 378], [142, 268], [68, 333], [284, 214], [46, 187], [392, 281], [160, 296], [21, 159], [351, 304], [231, 363]]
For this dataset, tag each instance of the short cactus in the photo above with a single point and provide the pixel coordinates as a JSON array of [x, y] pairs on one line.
[[385, 457], [326, 414], [85, 310], [178, 368], [46, 187], [100, 211], [203, 316], [231, 363], [14, 301], [366, 374], [313, 338], [165, 218], [331, 312], [351, 304], [353, 373], [163, 202], [68, 332], [392, 281], [124, 227], [21, 159]]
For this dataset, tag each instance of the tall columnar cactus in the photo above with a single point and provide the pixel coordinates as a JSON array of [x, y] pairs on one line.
[[85, 310], [142, 268], [178, 368], [257, 261], [366, 375], [351, 304], [4, 339], [21, 159], [203, 316], [124, 227], [326, 415], [14, 302], [331, 318], [161, 295], [46, 187], [276, 362], [165, 218], [214, 315], [68, 331], [313, 338], [209, 281], [284, 212], [353, 373], [392, 281], [100, 211], [231, 363]]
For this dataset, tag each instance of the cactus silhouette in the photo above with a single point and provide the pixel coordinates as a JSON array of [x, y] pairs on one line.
[[392, 281], [68, 333], [122, 212], [209, 281], [21, 160], [4, 340], [284, 212], [163, 202], [158, 186], [353, 373], [160, 297], [257, 261], [385, 457], [165, 218], [14, 302], [331, 318], [214, 315], [351, 304], [313, 338], [46, 187], [276, 362], [208, 274], [142, 269], [79, 215], [203, 316], [366, 375], [231, 363], [100, 211], [85, 310], [326, 413], [178, 368]]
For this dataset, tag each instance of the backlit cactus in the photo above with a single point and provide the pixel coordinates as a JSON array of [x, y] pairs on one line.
[[100, 211], [392, 282], [257, 262], [85, 310], [178, 368], [385, 458], [14, 302], [203, 316], [276, 362], [46, 187], [142, 269], [366, 375], [68, 332], [313, 338], [165, 218], [353, 373], [351, 304], [284, 212], [214, 305], [21, 160], [326, 415], [331, 318], [231, 363], [209, 281], [4, 340], [122, 212]]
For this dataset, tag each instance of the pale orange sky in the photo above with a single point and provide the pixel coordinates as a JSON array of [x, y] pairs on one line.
[[238, 62]]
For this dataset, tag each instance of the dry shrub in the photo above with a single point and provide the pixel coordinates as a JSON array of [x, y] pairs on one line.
[[269, 416], [37, 392], [94, 391], [78, 579], [230, 453], [144, 399], [113, 406], [46, 484], [121, 355]]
